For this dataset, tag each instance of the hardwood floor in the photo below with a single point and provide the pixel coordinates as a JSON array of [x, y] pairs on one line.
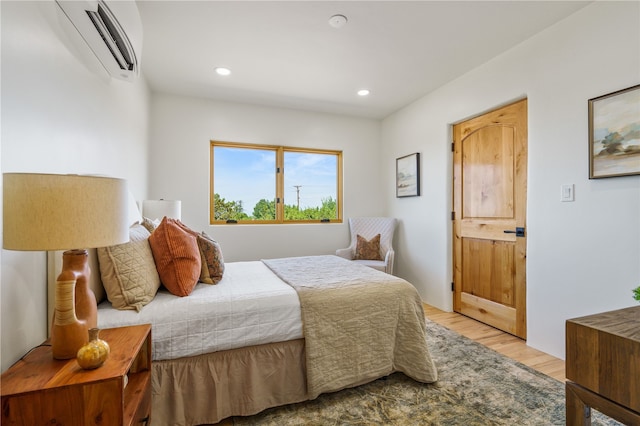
[[499, 341]]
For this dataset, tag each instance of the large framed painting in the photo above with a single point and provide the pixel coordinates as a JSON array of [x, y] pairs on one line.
[[408, 175], [614, 134]]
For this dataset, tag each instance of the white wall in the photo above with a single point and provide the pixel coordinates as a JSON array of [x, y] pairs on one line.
[[58, 116], [582, 257], [179, 162]]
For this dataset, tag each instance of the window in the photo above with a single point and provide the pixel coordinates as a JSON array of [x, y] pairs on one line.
[[274, 184]]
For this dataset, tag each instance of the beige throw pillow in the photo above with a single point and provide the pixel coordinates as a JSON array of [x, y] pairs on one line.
[[149, 224], [128, 271]]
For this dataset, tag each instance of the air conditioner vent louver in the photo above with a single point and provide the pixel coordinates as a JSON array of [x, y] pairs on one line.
[[112, 37], [102, 26]]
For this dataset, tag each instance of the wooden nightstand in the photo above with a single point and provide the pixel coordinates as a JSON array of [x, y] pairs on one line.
[[41, 390]]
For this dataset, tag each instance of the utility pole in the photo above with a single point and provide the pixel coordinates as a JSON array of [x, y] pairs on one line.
[[297, 187]]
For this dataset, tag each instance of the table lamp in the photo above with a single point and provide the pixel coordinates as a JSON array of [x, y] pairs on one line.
[[157, 209], [66, 212]]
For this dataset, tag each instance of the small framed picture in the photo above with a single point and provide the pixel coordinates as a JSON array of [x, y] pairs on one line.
[[408, 175], [614, 134]]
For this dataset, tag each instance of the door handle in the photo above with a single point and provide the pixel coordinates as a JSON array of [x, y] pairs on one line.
[[519, 232]]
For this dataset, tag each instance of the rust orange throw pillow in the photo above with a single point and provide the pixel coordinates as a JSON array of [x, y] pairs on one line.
[[368, 250], [177, 257]]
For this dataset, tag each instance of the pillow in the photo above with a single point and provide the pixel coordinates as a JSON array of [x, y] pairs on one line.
[[138, 232], [210, 255], [212, 260], [151, 225], [177, 257], [128, 271], [368, 250]]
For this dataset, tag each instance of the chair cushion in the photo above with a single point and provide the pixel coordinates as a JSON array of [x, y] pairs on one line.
[[368, 249], [375, 264]]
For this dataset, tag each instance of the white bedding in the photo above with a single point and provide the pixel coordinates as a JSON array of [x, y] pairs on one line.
[[249, 306]]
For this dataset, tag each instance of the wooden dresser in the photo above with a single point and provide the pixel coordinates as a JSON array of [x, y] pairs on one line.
[[603, 366], [40, 390]]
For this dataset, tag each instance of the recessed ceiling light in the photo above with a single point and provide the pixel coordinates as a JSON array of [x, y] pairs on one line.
[[363, 92], [338, 21], [222, 71]]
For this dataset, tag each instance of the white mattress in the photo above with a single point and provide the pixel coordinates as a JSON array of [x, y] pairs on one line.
[[249, 306]]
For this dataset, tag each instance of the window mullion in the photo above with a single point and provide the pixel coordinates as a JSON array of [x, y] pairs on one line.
[[280, 185]]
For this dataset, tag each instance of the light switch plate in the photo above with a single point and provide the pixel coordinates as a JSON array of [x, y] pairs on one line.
[[567, 192]]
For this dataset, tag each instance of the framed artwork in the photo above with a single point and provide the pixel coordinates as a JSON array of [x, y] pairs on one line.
[[614, 134], [408, 175]]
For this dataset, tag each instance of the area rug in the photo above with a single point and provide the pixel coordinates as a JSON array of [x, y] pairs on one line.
[[476, 386]]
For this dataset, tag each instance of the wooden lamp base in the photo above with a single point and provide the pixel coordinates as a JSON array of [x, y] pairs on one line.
[[75, 306]]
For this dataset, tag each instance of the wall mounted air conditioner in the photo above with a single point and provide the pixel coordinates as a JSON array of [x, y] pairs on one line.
[[113, 31]]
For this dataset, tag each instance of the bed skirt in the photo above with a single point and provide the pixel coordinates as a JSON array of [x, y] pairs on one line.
[[208, 388]]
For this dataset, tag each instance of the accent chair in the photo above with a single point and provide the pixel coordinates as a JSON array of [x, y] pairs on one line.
[[368, 228]]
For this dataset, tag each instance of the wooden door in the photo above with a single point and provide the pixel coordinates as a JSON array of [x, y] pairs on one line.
[[489, 209]]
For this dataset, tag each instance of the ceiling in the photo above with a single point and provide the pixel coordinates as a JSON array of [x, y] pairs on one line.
[[285, 53]]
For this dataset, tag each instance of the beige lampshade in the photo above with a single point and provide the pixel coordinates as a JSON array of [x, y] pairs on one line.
[[62, 212], [157, 209]]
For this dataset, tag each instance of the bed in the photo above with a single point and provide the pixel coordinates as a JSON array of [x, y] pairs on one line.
[[276, 331]]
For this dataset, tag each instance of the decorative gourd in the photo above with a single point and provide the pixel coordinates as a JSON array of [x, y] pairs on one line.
[[94, 353]]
